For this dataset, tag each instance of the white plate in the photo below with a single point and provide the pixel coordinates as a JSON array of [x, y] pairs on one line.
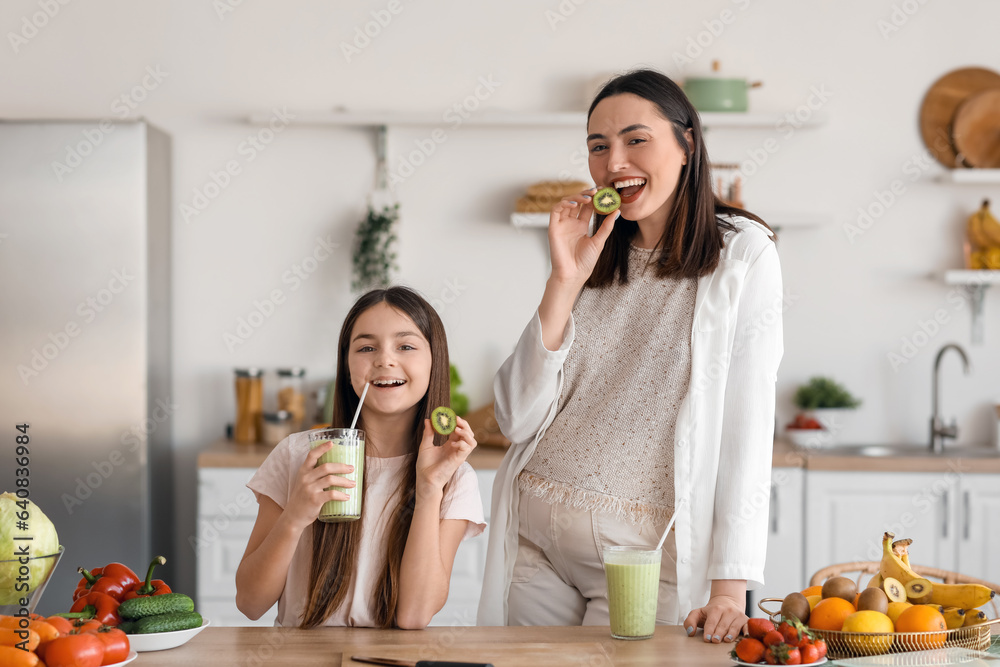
[[160, 641], [754, 664], [132, 655]]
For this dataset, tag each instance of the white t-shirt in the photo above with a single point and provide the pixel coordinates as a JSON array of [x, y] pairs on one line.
[[274, 479]]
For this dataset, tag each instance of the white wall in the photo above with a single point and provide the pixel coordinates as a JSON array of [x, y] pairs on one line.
[[852, 302]]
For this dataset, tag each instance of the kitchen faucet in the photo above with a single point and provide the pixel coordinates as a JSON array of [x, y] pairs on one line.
[[940, 430]]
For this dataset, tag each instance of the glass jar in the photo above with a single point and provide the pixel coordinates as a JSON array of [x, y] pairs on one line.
[[292, 395], [249, 402], [276, 426]]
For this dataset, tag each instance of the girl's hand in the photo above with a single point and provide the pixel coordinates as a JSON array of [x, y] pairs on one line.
[[436, 465], [307, 495], [722, 618], [573, 253]]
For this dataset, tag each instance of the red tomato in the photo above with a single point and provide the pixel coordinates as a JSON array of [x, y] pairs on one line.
[[116, 646], [750, 650], [81, 625], [758, 627], [63, 625], [84, 650], [773, 637], [809, 653]]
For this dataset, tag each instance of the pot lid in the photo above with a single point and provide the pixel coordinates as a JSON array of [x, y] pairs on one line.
[[942, 100]]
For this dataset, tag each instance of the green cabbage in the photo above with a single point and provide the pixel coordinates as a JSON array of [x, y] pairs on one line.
[[44, 541]]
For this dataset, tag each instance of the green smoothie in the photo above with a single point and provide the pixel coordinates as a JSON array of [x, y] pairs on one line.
[[633, 575], [348, 447]]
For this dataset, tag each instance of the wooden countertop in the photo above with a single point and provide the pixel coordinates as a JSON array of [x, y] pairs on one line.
[[502, 646], [225, 453], [228, 454]]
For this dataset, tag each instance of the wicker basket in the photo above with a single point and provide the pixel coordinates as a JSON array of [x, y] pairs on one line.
[[857, 644]]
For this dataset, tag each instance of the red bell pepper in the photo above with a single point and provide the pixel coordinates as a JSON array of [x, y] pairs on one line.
[[150, 586], [113, 579], [98, 606]]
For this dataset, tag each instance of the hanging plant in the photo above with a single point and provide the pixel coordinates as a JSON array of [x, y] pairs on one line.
[[374, 257]]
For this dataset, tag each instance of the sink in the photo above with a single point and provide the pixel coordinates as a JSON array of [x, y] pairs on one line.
[[963, 452]]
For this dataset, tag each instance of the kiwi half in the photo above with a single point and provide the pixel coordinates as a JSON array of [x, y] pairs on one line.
[[443, 420], [607, 200]]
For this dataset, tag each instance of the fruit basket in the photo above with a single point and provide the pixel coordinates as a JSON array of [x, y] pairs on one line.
[[841, 645]]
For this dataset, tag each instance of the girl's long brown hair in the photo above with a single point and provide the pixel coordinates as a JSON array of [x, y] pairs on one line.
[[692, 241], [336, 545]]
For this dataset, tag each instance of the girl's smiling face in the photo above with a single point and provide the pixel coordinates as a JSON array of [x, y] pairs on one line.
[[633, 149], [388, 350]]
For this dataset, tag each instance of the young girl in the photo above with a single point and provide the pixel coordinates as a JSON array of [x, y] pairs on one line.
[[392, 567]]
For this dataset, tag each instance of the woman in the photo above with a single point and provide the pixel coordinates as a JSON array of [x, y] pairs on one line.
[[644, 384]]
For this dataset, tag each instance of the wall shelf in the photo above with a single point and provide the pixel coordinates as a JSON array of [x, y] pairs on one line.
[[974, 282], [497, 118], [970, 176]]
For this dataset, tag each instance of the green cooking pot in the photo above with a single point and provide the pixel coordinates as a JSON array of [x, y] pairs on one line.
[[718, 94]]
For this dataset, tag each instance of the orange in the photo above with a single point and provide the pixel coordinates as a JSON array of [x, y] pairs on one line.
[[813, 590], [830, 613], [921, 618], [869, 621]]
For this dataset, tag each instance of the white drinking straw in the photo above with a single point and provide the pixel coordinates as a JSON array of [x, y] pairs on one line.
[[357, 413], [670, 524]]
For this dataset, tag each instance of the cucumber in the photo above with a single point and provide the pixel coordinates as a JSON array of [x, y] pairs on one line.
[[157, 604], [169, 622], [128, 627]]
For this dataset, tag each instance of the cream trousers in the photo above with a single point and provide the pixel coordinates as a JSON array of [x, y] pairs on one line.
[[559, 570]]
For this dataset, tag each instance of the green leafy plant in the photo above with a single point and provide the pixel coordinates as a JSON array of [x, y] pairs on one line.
[[459, 401], [822, 392], [374, 257]]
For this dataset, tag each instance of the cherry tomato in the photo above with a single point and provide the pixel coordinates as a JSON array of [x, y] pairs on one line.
[[116, 646], [82, 650]]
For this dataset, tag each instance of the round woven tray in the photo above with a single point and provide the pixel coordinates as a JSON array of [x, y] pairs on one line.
[[858, 644]]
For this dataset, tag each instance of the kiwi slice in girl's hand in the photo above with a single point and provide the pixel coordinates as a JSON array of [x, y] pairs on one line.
[[607, 200], [443, 420]]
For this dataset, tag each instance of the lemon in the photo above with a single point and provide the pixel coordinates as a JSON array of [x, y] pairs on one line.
[[813, 599], [897, 608], [868, 621]]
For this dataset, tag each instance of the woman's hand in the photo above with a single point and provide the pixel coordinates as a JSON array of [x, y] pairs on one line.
[[436, 465], [573, 253], [722, 618], [308, 495]]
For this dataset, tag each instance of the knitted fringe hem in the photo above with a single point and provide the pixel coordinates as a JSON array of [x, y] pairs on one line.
[[560, 493]]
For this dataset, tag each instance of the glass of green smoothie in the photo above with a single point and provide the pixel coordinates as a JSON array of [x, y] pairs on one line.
[[348, 447], [633, 575]]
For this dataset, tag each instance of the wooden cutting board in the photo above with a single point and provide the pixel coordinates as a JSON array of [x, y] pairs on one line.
[[976, 130], [521, 655], [942, 100]]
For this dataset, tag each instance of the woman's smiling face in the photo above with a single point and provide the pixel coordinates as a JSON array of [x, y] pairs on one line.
[[633, 149]]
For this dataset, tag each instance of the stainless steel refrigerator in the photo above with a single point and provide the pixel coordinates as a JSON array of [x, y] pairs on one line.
[[85, 337]]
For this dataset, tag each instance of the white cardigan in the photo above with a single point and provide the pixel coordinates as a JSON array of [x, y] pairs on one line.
[[723, 436]]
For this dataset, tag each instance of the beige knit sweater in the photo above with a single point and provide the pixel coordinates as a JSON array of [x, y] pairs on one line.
[[611, 445]]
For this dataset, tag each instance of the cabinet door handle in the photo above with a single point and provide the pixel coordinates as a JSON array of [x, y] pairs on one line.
[[944, 522], [965, 515], [774, 509]]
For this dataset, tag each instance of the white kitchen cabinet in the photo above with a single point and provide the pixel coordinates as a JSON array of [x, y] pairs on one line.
[[783, 571], [978, 539], [227, 510], [847, 513]]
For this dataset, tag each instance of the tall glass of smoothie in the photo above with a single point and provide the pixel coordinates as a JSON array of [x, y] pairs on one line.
[[348, 447], [633, 575]]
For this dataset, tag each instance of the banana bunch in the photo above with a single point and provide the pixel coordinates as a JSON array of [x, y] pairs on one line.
[[897, 574], [983, 230]]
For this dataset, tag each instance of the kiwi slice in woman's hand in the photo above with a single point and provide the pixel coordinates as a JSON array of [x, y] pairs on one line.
[[443, 420], [607, 200]]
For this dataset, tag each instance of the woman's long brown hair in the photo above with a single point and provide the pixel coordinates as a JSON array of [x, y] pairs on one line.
[[336, 545], [692, 241]]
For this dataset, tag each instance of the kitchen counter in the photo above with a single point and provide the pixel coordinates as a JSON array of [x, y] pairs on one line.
[[787, 455], [501, 646], [225, 453]]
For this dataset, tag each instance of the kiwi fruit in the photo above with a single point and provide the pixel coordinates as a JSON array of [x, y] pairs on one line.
[[840, 587], [607, 200], [443, 420], [796, 604], [918, 591], [893, 589], [873, 599]]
